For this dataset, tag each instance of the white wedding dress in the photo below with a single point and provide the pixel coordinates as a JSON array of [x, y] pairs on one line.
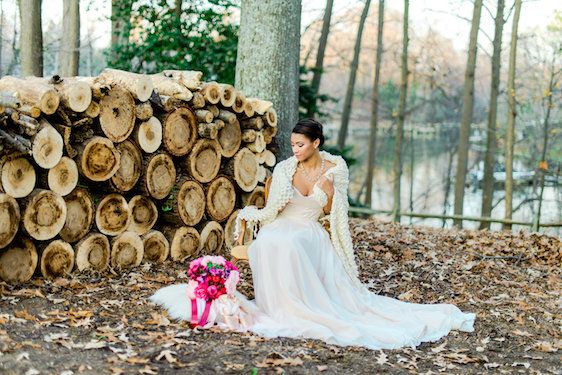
[[302, 291]]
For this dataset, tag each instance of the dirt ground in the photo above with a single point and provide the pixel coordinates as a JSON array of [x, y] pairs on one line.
[[103, 323]]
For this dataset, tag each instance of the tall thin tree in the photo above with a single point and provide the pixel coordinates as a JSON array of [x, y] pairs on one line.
[[69, 56], [467, 108], [267, 63], [375, 107], [31, 38], [177, 8], [397, 163], [489, 158], [120, 26], [342, 135], [512, 114], [319, 66]]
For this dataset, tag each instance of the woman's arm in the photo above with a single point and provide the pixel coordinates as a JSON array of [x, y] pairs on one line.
[[327, 186]]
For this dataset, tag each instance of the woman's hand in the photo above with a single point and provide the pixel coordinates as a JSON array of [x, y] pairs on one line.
[[327, 185]]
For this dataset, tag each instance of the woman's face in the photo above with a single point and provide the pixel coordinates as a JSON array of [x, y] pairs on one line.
[[302, 146]]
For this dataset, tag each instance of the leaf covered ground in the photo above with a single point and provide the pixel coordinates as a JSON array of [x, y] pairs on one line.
[[103, 323]]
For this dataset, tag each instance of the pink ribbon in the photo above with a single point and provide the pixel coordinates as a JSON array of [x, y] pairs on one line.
[[204, 316]]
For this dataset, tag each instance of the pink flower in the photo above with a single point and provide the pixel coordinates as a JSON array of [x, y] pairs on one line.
[[212, 291], [201, 291]]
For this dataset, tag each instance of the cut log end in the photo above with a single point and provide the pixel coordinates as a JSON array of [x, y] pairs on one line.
[[227, 95], [184, 244], [245, 168], [117, 114], [130, 166], [159, 176], [63, 177], [99, 159], [212, 239], [191, 202], [156, 247], [211, 92], [93, 252], [144, 111], [143, 214], [18, 177], [47, 147], [271, 117], [18, 262], [149, 135], [77, 96], [44, 215], [221, 198], [179, 131], [126, 250], [204, 160], [57, 259], [79, 215], [9, 219], [113, 215], [230, 139]]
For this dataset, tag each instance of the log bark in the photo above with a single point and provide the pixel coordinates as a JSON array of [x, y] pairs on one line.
[[255, 123], [170, 87], [57, 259], [98, 159], [148, 135], [243, 168], [156, 247], [44, 215], [140, 85], [204, 115], [269, 133], [221, 198], [230, 138], [179, 131], [18, 262], [18, 177], [159, 176], [47, 146], [214, 110], [79, 215], [9, 219], [63, 177], [32, 93], [211, 92], [113, 215], [210, 131], [198, 100], [204, 160], [184, 242], [212, 239], [117, 114], [143, 214], [188, 78], [144, 111], [228, 95], [93, 252], [187, 207], [130, 167], [127, 251]]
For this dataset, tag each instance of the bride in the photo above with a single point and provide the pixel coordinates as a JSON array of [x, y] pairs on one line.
[[305, 279]]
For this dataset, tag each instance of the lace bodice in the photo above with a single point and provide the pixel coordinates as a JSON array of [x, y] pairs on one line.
[[303, 207]]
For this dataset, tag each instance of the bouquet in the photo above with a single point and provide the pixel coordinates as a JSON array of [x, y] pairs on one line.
[[210, 278]]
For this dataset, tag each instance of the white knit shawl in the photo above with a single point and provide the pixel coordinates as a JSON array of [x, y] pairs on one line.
[[281, 192]]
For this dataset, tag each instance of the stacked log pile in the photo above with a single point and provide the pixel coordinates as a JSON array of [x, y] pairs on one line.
[[106, 172]]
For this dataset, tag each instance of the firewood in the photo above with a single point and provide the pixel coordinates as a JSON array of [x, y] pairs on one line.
[[9, 219], [230, 138], [187, 206], [57, 259], [127, 250], [117, 114], [214, 110], [204, 116], [260, 106], [93, 109], [267, 157], [98, 159], [63, 177], [18, 262], [170, 87], [271, 117], [221, 198], [239, 102], [204, 160], [47, 146], [248, 135], [243, 167], [198, 100], [92, 252], [227, 95], [130, 167], [44, 215], [144, 111], [255, 123], [158, 176], [179, 131], [211, 92], [18, 176], [255, 198], [74, 94], [227, 116], [258, 145], [18, 142], [32, 93], [189, 78], [143, 214], [211, 239], [156, 247], [184, 242], [248, 109], [268, 133], [139, 85], [148, 135], [79, 215], [209, 131], [113, 215]]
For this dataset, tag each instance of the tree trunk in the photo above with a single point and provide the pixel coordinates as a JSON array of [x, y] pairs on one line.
[[375, 107], [267, 65], [467, 108], [221, 198], [489, 158], [18, 177], [159, 175], [31, 38], [63, 177], [204, 160], [187, 207], [143, 214], [184, 242], [512, 113], [212, 239], [397, 165], [120, 26], [57, 259], [117, 114], [148, 135], [319, 66], [126, 250], [98, 159], [113, 215], [69, 58], [79, 215], [130, 167], [9, 219], [44, 215], [243, 168], [156, 247], [93, 252], [18, 262], [179, 131], [342, 135]]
